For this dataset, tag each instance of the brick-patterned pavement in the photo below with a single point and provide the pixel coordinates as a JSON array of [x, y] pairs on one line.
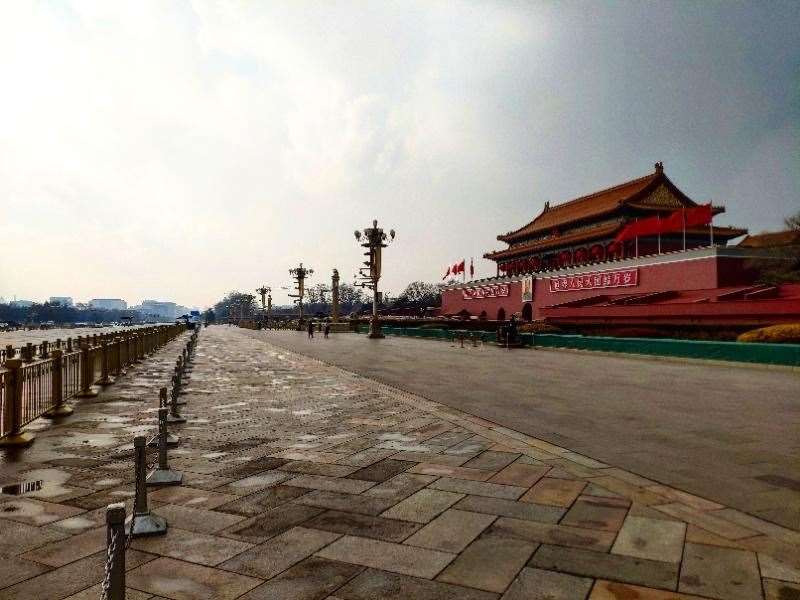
[[303, 481]]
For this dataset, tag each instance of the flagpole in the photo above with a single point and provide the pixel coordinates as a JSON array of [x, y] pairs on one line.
[[711, 224], [636, 220], [683, 215], [658, 217]]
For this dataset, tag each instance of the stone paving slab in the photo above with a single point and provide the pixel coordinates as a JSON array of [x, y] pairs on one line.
[[305, 481], [715, 431]]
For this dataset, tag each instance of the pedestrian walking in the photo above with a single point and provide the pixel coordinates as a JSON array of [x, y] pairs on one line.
[[310, 329], [327, 329]]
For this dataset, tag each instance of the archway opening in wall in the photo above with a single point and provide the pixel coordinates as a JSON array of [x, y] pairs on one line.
[[501, 314], [527, 312]]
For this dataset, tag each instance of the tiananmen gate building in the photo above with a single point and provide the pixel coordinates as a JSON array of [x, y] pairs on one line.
[[641, 252]]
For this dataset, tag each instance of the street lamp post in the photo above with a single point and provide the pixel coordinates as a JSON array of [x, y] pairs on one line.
[[300, 273], [374, 239], [266, 301]]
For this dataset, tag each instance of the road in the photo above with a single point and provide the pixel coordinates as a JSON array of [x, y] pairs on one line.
[[727, 433]]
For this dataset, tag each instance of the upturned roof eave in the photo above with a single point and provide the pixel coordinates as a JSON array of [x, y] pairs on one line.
[[654, 178]]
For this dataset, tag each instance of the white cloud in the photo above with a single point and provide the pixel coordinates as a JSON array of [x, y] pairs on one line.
[[179, 150]]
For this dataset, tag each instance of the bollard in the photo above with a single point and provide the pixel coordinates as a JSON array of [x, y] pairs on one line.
[[27, 352], [143, 522], [114, 582], [177, 384], [174, 416], [162, 475], [172, 439]]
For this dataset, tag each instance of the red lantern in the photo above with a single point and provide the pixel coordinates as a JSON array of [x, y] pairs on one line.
[[581, 256], [615, 250], [597, 252], [536, 263], [564, 258]]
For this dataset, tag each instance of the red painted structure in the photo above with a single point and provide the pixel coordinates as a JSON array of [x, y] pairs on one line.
[[705, 285], [564, 267]]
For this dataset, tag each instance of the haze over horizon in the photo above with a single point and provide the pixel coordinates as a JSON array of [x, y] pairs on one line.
[[181, 150]]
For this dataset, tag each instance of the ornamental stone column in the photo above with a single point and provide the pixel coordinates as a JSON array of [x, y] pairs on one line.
[[335, 295]]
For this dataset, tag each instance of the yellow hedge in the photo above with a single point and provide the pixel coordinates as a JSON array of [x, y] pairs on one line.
[[538, 327], [776, 334]]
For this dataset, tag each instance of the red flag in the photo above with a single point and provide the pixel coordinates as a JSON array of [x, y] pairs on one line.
[[674, 222], [699, 215], [642, 227], [446, 274], [461, 266], [687, 217], [454, 269]]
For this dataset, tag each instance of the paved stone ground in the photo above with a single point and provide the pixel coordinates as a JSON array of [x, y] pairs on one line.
[[304, 481], [729, 433]]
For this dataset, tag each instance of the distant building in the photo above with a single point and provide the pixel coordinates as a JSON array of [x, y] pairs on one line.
[[108, 303], [158, 309], [61, 300], [21, 303]]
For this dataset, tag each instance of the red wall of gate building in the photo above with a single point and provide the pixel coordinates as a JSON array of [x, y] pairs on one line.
[[700, 285], [453, 301], [679, 275]]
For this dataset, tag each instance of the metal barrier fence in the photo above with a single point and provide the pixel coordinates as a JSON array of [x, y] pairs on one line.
[[32, 351], [775, 354], [31, 388]]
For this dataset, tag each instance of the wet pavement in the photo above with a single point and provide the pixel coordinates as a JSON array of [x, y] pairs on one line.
[[728, 432], [304, 481]]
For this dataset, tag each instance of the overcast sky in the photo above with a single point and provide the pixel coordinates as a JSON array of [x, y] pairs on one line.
[[179, 150]]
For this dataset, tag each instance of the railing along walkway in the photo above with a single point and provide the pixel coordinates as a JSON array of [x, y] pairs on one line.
[[35, 386]]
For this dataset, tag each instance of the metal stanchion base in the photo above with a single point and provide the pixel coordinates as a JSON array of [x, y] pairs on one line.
[[17, 439], [164, 477], [146, 524], [92, 392], [171, 419], [172, 440], [62, 410]]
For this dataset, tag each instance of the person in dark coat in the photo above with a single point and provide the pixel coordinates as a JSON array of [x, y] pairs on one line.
[[310, 329], [327, 329]]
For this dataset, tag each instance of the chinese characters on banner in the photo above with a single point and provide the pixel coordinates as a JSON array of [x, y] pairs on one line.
[[499, 290], [593, 281]]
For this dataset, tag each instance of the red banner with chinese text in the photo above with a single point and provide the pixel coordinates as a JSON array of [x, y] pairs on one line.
[[499, 290], [594, 281]]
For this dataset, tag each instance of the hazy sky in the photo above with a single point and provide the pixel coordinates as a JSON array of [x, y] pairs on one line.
[[178, 150]]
